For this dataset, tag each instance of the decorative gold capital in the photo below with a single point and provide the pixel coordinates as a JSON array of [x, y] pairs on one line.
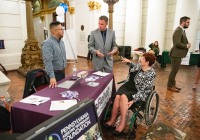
[[93, 5], [65, 1], [42, 17], [71, 10]]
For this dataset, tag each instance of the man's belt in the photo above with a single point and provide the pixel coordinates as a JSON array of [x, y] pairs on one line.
[[59, 70]]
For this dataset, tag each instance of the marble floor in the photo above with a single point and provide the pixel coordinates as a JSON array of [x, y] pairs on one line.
[[176, 110]]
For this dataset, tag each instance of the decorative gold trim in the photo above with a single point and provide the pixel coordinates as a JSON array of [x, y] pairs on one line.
[[71, 10], [42, 17], [44, 12], [94, 5]]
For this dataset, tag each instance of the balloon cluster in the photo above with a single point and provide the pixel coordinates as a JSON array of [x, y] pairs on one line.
[[61, 9]]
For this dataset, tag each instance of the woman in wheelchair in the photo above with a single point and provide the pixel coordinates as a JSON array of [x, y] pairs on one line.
[[139, 84]]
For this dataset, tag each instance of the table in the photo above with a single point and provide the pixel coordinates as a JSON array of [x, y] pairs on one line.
[[27, 116], [194, 58], [4, 85], [165, 59]]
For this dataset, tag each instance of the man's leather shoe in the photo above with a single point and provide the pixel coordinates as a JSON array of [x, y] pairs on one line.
[[173, 89], [177, 88]]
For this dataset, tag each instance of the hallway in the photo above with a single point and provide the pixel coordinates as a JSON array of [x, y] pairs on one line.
[[178, 110]]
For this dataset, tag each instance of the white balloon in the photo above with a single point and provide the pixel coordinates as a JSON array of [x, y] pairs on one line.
[[60, 19], [60, 11]]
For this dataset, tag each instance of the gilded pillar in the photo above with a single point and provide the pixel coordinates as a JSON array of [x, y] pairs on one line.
[[31, 57], [110, 11], [111, 3]]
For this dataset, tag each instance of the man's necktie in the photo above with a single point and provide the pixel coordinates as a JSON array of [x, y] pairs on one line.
[[104, 36], [184, 33]]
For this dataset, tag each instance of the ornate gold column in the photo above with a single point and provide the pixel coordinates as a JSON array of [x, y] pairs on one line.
[[111, 3], [31, 57], [110, 11]]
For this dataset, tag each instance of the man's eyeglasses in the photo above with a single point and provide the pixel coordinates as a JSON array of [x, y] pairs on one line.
[[58, 29]]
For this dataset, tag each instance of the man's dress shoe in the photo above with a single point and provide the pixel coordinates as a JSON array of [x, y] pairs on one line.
[[173, 89], [177, 88]]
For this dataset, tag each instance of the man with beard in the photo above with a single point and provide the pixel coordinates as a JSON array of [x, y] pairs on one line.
[[178, 51], [54, 54]]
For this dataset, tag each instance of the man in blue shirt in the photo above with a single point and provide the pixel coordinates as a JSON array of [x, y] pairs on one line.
[[54, 54]]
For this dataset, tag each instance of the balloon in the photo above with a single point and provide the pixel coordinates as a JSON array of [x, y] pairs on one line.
[[65, 6], [60, 11], [61, 19]]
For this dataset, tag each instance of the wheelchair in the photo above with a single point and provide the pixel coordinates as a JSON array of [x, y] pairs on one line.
[[142, 110]]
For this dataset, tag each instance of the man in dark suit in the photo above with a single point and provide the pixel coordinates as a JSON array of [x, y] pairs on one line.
[[102, 45], [178, 51]]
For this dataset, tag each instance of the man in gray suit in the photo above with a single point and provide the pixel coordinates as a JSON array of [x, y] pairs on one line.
[[178, 51], [102, 45]]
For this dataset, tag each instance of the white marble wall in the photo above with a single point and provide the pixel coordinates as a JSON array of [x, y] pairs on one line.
[[156, 21], [133, 24], [12, 31], [170, 15], [144, 22], [197, 40]]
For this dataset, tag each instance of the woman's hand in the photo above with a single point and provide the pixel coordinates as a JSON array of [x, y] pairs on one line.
[[130, 103], [125, 60]]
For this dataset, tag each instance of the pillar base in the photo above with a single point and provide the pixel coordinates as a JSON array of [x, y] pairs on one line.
[[31, 57]]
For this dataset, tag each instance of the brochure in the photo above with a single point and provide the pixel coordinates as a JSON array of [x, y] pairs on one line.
[[34, 99]]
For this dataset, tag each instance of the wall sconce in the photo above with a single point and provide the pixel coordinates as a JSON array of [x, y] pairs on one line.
[[93, 5]]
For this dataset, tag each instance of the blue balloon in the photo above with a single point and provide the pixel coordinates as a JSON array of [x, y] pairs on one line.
[[65, 6]]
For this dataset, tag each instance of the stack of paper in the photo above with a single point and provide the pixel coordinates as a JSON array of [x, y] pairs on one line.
[[100, 73], [62, 104], [34, 99]]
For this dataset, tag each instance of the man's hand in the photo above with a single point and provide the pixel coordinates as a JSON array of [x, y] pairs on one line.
[[125, 60], [99, 54], [188, 45], [111, 53], [53, 83]]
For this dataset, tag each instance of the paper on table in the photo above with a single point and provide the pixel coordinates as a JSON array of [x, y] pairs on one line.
[[62, 104], [100, 73], [93, 84], [66, 84], [34, 99]]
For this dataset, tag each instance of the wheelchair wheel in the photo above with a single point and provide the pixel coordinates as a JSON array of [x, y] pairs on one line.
[[151, 110]]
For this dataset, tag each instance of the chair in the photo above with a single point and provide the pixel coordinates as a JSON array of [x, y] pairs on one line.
[[35, 80]]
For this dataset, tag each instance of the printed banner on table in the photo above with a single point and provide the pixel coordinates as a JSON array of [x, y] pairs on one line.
[[83, 125], [103, 98]]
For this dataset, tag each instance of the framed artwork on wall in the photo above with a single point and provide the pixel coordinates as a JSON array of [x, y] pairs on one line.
[[2, 44]]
